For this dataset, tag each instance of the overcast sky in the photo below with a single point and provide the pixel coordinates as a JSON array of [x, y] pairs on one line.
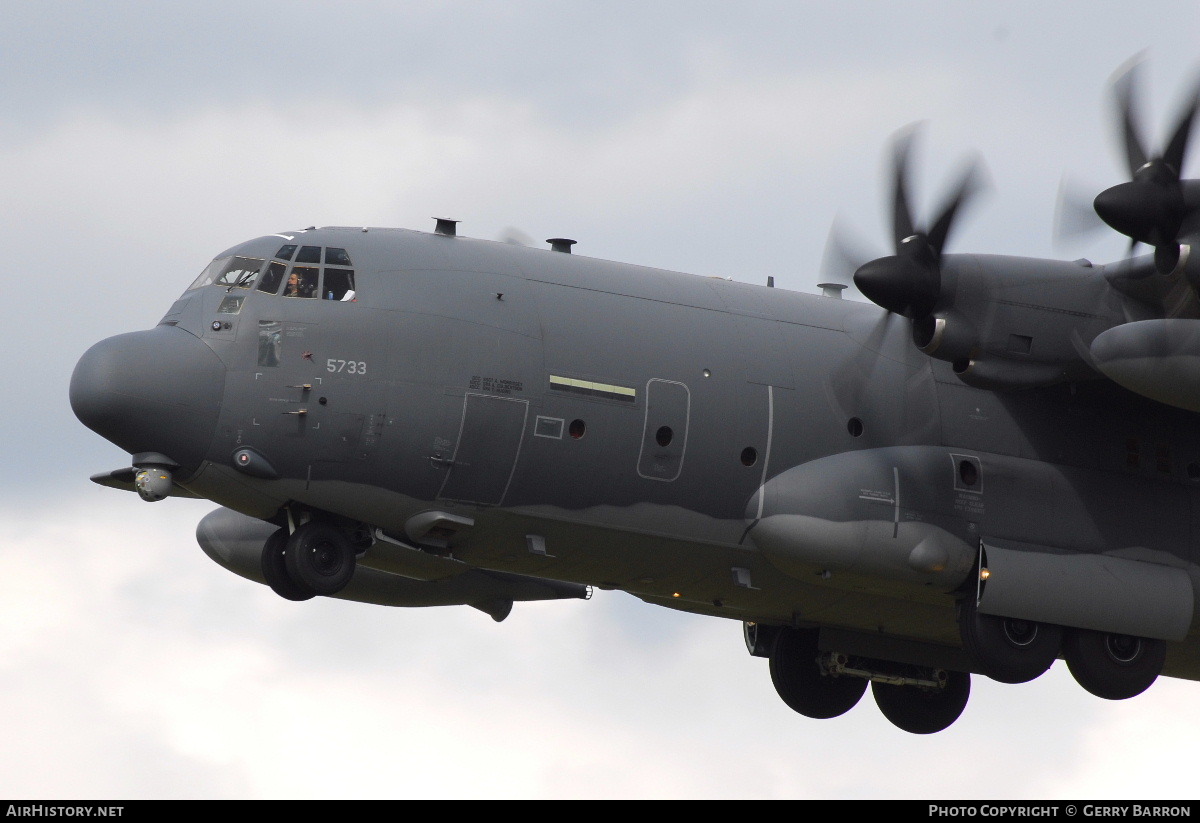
[[137, 140]]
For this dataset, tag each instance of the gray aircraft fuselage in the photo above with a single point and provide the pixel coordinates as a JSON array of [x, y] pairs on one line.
[[722, 448]]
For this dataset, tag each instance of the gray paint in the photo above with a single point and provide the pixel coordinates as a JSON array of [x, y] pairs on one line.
[[474, 365], [1094, 591]]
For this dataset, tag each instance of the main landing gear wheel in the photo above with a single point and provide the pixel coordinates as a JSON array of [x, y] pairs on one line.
[[320, 557], [922, 710], [274, 569], [1007, 649], [1113, 666], [798, 678]]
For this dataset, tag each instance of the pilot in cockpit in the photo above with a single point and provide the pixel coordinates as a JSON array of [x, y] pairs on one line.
[[299, 285]]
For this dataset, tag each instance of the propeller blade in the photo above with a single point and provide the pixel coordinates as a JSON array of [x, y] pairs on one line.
[[1151, 207], [515, 237], [909, 282], [844, 254], [1177, 148], [902, 221], [969, 185], [1136, 155], [1074, 216], [1166, 257]]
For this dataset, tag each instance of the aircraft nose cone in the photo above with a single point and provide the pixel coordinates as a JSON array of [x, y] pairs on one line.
[[151, 391]]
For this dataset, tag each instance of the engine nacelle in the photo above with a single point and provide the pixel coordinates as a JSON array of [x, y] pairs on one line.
[[1011, 323], [947, 336]]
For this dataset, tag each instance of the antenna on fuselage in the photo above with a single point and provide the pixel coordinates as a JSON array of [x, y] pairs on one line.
[[446, 226], [562, 244]]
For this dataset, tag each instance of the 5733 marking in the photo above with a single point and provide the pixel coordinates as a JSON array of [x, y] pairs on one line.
[[346, 366]]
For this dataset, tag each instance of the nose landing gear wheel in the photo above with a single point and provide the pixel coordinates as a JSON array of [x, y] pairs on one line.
[[320, 557], [1007, 649], [274, 569], [800, 682], [1113, 666], [923, 711]]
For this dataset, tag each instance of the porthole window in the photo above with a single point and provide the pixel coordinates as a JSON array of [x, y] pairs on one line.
[[663, 436], [749, 456], [577, 428], [968, 472], [855, 427]]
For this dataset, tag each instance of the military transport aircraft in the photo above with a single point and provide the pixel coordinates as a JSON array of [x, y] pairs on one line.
[[994, 465]]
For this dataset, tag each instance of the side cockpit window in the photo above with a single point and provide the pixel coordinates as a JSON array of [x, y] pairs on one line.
[[231, 272], [272, 277], [339, 284], [339, 281], [240, 273]]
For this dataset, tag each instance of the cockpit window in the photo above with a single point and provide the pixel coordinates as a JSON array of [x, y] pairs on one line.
[[309, 254], [272, 277], [242, 272], [302, 282], [239, 272], [337, 257], [286, 252], [333, 281], [339, 284]]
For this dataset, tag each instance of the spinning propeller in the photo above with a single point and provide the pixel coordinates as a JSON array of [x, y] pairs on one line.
[[909, 282], [1152, 206]]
